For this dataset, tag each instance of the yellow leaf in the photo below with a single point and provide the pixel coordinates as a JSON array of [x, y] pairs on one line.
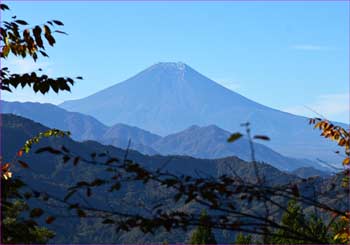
[[346, 161], [7, 175], [344, 218], [318, 125]]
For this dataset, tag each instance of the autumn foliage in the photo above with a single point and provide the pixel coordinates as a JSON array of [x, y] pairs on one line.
[[342, 137]]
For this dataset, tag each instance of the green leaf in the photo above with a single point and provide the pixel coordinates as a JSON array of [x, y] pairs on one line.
[[26, 148]]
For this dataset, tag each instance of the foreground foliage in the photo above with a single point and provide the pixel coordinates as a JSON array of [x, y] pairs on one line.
[[18, 226], [342, 137], [22, 41]]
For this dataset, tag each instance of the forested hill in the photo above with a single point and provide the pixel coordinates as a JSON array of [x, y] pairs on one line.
[[47, 173]]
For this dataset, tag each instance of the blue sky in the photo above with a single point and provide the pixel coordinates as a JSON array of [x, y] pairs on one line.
[[286, 55]]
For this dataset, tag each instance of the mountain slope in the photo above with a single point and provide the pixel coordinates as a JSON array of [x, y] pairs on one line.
[[211, 142], [81, 126], [306, 172], [120, 134], [169, 97], [165, 98]]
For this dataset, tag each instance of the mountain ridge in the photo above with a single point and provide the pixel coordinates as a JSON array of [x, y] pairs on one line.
[[83, 126], [202, 142]]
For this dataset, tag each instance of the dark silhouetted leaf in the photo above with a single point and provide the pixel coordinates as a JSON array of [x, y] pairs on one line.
[[21, 22], [76, 161], [261, 137], [81, 213], [88, 192], [23, 164], [234, 137], [61, 32], [43, 53], [36, 212], [50, 219], [48, 149], [69, 195], [295, 191], [57, 22], [107, 221], [37, 36], [65, 158], [64, 149], [4, 7]]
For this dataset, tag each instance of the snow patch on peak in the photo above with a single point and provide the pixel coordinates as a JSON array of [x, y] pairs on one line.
[[171, 65], [181, 66]]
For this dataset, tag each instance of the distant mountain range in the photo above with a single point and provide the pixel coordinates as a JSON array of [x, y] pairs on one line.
[[23, 129], [82, 126], [211, 142], [306, 172], [202, 142], [169, 97]]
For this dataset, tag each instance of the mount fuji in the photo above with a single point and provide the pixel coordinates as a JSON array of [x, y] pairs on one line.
[[169, 97]]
